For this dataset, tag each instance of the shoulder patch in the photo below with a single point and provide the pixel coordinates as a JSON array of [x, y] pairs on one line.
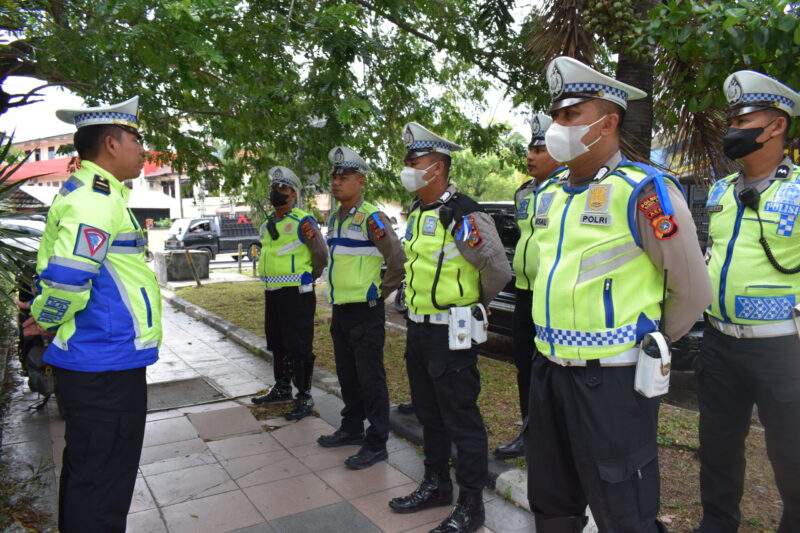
[[101, 185], [377, 227], [651, 207], [467, 230], [92, 243], [308, 229], [664, 226]]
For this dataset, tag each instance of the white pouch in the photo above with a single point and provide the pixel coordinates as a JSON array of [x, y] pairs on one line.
[[302, 289], [653, 366], [459, 327], [480, 324]]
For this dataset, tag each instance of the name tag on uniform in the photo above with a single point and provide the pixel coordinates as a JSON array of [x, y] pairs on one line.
[[595, 219], [354, 227], [541, 222], [715, 208], [429, 226]]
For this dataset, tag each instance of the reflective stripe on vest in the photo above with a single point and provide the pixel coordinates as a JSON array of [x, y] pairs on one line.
[[354, 265], [285, 261], [458, 283], [747, 288], [596, 292]]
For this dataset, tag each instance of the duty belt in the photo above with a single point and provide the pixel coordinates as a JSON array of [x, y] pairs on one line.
[[438, 318], [626, 358], [742, 331]]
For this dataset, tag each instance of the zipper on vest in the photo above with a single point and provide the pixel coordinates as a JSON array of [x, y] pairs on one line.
[[458, 280], [608, 303], [723, 278], [552, 271]]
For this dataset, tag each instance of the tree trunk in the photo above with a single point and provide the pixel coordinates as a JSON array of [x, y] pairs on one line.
[[637, 129]]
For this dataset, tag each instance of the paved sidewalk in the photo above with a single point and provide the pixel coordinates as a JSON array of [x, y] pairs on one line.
[[216, 468]]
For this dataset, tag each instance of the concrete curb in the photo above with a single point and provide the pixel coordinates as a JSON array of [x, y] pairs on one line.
[[508, 481]]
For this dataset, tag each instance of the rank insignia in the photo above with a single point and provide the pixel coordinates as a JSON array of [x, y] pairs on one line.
[[664, 227], [308, 230], [598, 198], [358, 219], [377, 227], [429, 226], [101, 185]]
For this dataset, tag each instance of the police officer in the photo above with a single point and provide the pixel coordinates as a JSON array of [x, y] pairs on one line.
[[360, 238], [540, 166], [293, 255], [608, 230], [97, 293], [751, 350], [455, 261]]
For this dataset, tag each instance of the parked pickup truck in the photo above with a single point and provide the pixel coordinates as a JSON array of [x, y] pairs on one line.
[[215, 235]]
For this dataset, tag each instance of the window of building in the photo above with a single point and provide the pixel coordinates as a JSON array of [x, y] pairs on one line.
[[37, 155], [51, 152]]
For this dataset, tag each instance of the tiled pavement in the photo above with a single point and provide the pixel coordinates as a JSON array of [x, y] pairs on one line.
[[215, 468]]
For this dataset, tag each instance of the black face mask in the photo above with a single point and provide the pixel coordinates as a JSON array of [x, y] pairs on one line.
[[278, 199], [738, 143]]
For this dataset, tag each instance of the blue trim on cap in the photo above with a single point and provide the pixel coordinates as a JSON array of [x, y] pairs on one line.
[[416, 145], [594, 87], [348, 164], [109, 115], [767, 97]]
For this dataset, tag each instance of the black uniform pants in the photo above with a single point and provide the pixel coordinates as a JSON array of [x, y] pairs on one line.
[[732, 375], [105, 416], [358, 335], [522, 343], [445, 386], [289, 327], [595, 443]]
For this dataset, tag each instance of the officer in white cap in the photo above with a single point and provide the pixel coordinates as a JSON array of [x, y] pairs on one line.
[[540, 166], [751, 351], [104, 304], [608, 231], [293, 255], [360, 240], [456, 264]]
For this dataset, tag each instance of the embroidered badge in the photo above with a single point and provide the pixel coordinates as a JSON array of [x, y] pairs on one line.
[[410, 229], [288, 227], [649, 203], [308, 230], [715, 194], [377, 228], [788, 193], [358, 219], [595, 220], [92, 243], [522, 210], [101, 185], [543, 203], [664, 227], [429, 226], [782, 172], [54, 310], [474, 240], [598, 197]]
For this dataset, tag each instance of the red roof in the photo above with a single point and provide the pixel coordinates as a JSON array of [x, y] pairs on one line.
[[60, 167]]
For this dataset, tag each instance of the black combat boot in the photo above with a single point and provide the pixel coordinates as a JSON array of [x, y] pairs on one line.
[[436, 490], [514, 448], [468, 515], [303, 404], [280, 392]]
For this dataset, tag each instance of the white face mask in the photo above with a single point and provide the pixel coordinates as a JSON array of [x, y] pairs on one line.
[[565, 143], [412, 178]]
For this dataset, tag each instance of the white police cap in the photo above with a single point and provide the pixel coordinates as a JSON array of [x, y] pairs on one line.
[[279, 175], [344, 157], [539, 124], [422, 141], [748, 91], [124, 114], [571, 82]]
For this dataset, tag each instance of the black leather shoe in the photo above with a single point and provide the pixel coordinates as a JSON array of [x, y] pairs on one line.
[[340, 438], [280, 392], [405, 408], [366, 458], [302, 407], [514, 448], [467, 517], [436, 490]]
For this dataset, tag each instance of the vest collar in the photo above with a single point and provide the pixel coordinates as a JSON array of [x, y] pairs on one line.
[[341, 215], [576, 183], [445, 197], [113, 182]]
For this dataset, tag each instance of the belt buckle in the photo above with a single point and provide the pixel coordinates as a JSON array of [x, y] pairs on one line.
[[739, 331]]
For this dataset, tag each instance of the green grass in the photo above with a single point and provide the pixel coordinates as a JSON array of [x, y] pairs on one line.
[[243, 304]]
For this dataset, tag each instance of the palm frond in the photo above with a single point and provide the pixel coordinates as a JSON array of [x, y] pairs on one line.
[[559, 31]]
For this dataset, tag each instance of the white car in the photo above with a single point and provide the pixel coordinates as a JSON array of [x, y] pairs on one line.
[[22, 233]]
